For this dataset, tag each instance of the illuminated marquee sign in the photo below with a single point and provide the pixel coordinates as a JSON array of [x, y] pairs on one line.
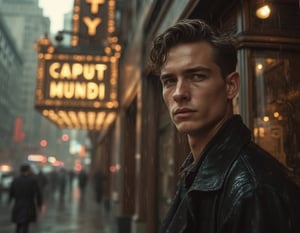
[[80, 83], [77, 86], [77, 81]]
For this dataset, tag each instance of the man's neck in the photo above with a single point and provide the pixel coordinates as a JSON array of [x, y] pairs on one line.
[[198, 141]]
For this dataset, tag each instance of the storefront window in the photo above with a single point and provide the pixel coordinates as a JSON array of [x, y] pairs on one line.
[[277, 105], [167, 171]]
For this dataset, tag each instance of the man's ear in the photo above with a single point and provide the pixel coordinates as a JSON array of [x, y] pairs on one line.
[[232, 84]]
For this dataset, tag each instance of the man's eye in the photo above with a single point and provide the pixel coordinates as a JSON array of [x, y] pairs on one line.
[[198, 77], [168, 81]]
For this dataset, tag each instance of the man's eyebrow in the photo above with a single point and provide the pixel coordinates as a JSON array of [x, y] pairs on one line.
[[197, 69], [166, 75], [187, 71]]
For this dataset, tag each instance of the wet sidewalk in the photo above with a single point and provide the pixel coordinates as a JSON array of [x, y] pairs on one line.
[[71, 214]]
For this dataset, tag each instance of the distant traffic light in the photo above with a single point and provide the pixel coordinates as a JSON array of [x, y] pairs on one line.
[[43, 143], [65, 137]]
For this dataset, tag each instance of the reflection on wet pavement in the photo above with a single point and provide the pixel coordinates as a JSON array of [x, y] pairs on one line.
[[71, 214]]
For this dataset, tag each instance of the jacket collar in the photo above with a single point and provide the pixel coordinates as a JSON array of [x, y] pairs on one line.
[[219, 154]]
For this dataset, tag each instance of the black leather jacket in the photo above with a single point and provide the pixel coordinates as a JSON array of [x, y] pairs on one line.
[[237, 188]]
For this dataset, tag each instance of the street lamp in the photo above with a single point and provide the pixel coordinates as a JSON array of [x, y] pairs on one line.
[[60, 35], [91, 39]]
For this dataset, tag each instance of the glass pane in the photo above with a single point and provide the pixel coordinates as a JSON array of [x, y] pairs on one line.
[[277, 105], [167, 171]]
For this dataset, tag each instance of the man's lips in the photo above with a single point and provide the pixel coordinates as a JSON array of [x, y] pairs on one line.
[[183, 112]]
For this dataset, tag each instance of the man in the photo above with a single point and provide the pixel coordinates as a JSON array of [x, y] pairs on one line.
[[99, 179], [82, 182], [228, 184], [26, 192]]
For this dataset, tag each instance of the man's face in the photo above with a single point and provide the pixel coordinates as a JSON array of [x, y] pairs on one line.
[[193, 89]]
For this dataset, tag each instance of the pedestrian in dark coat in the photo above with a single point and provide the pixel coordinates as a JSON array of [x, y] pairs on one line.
[[62, 182], [25, 192], [82, 181], [99, 178], [42, 181]]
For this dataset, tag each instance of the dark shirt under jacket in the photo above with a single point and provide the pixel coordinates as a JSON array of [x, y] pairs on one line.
[[235, 187], [27, 197]]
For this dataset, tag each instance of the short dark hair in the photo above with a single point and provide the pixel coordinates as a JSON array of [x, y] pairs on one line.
[[25, 168], [193, 30]]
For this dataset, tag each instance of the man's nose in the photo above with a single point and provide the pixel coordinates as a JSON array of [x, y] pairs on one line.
[[182, 91]]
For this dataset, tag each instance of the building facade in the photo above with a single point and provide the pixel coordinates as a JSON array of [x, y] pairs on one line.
[[11, 65], [143, 148], [27, 24]]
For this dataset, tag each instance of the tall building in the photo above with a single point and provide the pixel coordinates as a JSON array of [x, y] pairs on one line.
[[27, 24], [10, 75]]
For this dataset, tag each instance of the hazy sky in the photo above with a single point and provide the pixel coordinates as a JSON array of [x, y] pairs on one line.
[[55, 10]]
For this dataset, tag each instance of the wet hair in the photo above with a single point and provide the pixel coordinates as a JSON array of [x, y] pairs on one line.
[[194, 30]]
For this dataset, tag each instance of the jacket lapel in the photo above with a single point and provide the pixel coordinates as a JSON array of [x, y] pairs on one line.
[[176, 220], [220, 153]]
